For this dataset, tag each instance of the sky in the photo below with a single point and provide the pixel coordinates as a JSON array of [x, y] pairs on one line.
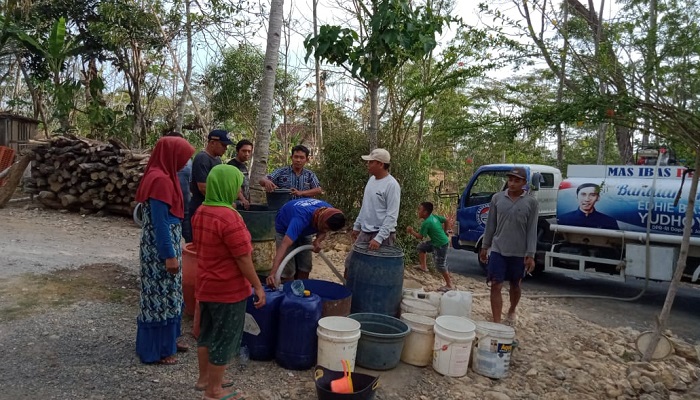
[[328, 13]]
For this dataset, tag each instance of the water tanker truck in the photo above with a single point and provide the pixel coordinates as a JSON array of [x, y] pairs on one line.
[[595, 221]]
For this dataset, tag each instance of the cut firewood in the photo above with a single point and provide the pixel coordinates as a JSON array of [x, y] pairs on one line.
[[85, 175]]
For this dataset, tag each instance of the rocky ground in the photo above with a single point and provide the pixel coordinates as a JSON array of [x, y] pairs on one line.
[[69, 297]]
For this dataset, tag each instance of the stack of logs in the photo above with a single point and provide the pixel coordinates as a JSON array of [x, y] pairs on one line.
[[85, 175]]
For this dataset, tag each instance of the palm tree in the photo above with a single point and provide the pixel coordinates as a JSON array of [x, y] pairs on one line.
[[264, 128]]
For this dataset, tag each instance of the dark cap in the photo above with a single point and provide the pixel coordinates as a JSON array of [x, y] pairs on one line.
[[518, 172], [220, 135]]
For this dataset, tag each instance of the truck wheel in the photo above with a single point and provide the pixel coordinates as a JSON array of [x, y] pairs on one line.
[[484, 267]]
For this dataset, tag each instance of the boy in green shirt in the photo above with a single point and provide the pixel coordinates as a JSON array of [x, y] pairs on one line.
[[434, 227]]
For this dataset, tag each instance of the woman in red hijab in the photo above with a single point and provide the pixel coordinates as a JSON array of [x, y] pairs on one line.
[[158, 322]]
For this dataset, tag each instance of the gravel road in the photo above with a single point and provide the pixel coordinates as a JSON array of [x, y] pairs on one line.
[[68, 305]]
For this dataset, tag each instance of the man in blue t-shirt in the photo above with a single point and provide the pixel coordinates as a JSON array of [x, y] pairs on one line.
[[296, 221], [586, 215]]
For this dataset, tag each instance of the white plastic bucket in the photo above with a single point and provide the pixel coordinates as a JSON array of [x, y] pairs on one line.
[[411, 288], [492, 349], [453, 345], [418, 346], [432, 298], [337, 340], [457, 303], [420, 307]]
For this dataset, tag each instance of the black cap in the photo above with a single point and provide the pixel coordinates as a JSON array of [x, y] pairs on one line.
[[518, 172], [220, 135]]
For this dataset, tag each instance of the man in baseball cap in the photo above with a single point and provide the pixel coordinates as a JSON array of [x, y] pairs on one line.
[[380, 155], [220, 135], [510, 242], [376, 223], [518, 172], [201, 165]]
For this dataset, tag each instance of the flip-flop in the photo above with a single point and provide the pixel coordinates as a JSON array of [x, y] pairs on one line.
[[230, 396], [511, 320], [182, 348], [445, 289], [419, 268], [226, 384], [170, 360]]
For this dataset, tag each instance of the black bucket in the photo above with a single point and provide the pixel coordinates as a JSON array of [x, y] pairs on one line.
[[277, 198], [364, 385]]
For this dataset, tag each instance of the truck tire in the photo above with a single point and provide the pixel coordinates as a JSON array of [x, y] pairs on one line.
[[484, 267]]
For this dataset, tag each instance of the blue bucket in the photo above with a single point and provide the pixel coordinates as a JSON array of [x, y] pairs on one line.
[[381, 341], [336, 298], [375, 278]]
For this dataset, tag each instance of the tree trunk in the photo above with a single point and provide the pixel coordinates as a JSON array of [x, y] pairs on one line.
[[264, 124], [649, 66], [662, 319], [37, 99], [319, 99], [560, 89], [16, 172], [602, 89], [180, 115], [373, 130]]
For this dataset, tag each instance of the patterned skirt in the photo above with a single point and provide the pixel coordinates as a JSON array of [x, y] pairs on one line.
[[158, 322]]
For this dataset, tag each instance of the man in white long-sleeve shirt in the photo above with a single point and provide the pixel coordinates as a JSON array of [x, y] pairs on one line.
[[376, 223]]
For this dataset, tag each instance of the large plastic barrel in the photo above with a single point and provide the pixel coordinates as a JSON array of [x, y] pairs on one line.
[[375, 278], [296, 337], [189, 277], [262, 346], [260, 221], [335, 298]]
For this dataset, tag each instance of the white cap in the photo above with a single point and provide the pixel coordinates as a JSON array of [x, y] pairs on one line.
[[380, 155]]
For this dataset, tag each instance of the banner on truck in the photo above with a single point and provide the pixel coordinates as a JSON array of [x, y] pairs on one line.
[[624, 204]]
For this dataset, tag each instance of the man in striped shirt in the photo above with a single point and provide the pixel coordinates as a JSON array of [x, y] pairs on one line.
[[302, 182]]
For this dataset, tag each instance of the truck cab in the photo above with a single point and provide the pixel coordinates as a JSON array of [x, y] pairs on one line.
[[473, 204]]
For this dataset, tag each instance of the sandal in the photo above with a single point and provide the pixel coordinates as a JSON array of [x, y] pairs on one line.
[[182, 347], [170, 360], [231, 396], [511, 320], [226, 384]]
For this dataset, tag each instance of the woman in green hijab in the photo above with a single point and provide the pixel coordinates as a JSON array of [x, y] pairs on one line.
[[225, 274]]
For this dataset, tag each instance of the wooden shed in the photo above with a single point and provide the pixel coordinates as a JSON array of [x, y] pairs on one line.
[[16, 131]]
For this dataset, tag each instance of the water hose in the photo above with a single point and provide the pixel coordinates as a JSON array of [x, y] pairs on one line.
[[278, 275]]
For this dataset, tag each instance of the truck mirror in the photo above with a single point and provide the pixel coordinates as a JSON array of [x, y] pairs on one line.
[[535, 181]]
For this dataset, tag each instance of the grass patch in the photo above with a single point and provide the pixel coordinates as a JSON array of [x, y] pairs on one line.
[[34, 293]]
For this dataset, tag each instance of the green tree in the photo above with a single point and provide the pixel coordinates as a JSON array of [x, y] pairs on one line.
[[235, 83], [392, 32], [54, 51]]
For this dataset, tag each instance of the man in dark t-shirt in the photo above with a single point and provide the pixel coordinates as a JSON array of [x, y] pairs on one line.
[[203, 163], [244, 150]]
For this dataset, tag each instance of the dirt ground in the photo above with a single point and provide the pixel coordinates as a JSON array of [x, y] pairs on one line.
[[69, 298]]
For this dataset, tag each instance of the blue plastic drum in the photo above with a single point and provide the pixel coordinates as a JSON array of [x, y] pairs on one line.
[[296, 335], [262, 346], [375, 278]]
